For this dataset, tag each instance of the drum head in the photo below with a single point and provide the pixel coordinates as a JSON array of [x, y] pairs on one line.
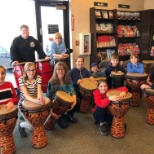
[[33, 106], [64, 97], [148, 61], [117, 74], [149, 91], [4, 112], [100, 78], [41, 60], [117, 93], [136, 75], [88, 85]]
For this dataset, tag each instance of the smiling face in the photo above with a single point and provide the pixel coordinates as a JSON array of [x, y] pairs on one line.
[[2, 75], [94, 69], [31, 71], [25, 33], [103, 87], [134, 60], [114, 62], [79, 63], [60, 72]]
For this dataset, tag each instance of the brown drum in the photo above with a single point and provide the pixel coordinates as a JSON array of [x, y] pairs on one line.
[[134, 81], [44, 69], [150, 102], [147, 64], [86, 89], [36, 114], [119, 109], [18, 72], [99, 78], [117, 79], [61, 104], [57, 59], [8, 120]]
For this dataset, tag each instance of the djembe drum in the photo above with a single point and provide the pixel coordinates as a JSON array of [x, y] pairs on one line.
[[134, 81], [100, 78], [150, 102], [117, 79], [119, 110], [63, 101], [44, 69], [147, 64], [86, 89], [8, 120], [36, 114], [18, 72]]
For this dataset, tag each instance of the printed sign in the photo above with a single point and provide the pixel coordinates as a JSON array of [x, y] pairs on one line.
[[101, 4], [52, 29], [123, 6]]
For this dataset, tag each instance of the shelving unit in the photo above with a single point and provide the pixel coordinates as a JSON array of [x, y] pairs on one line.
[[127, 40]]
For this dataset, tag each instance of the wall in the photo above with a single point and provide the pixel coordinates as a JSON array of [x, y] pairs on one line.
[[148, 4], [80, 10]]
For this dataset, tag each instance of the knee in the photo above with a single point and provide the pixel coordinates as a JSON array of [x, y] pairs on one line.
[[63, 122]]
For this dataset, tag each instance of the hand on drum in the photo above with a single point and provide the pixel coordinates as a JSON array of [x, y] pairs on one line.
[[40, 100], [92, 78], [114, 98], [144, 86], [55, 116], [79, 81], [9, 105], [122, 94]]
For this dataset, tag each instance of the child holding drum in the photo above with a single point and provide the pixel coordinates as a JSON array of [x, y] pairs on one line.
[[60, 81], [114, 68], [101, 112], [31, 90], [8, 94]]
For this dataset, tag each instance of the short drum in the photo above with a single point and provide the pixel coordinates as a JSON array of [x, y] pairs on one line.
[[8, 120], [86, 89], [63, 101], [117, 79], [119, 109], [36, 114], [150, 102], [134, 81]]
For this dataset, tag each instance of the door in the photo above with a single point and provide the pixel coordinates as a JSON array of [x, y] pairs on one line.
[[52, 17]]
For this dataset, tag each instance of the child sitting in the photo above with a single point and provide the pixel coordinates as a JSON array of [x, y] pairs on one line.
[[112, 68], [100, 110]]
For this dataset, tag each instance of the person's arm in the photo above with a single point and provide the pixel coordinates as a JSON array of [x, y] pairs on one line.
[[140, 68]]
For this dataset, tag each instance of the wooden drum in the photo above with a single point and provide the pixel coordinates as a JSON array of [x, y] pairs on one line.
[[60, 105], [117, 79], [44, 69], [147, 64], [8, 120], [119, 109], [134, 81], [150, 102], [18, 72], [36, 114], [86, 89], [100, 78]]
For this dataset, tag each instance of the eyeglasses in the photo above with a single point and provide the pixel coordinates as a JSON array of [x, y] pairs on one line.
[[60, 69], [29, 70]]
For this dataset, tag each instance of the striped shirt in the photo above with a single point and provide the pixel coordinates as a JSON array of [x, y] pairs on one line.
[[31, 87], [7, 93]]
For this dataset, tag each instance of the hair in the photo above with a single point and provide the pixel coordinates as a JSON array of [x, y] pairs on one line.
[[58, 35], [114, 56], [102, 81], [78, 58], [66, 78], [24, 26], [1, 66], [134, 55], [26, 67]]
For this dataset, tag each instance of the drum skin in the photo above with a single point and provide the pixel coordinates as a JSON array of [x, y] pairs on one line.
[[61, 104], [36, 114], [8, 120], [119, 110], [147, 64], [100, 78], [18, 72], [134, 81], [86, 89], [150, 102], [45, 70]]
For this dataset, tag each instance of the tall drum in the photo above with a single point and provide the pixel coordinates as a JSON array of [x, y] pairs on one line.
[[148, 64], [119, 109], [134, 81], [18, 72], [86, 89], [45, 70], [8, 120]]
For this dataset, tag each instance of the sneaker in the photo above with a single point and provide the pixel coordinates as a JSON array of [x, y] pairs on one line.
[[71, 119], [63, 122], [104, 129], [22, 131]]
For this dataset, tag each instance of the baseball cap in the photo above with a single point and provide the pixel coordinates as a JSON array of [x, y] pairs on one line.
[[93, 64]]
